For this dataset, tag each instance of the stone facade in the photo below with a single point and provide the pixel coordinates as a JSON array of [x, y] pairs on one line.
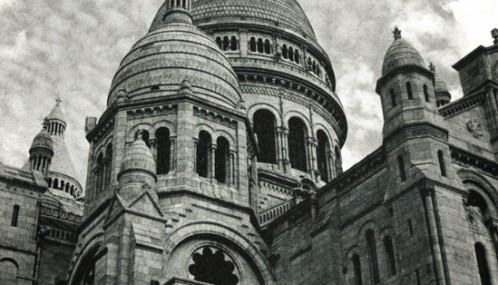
[[217, 161]]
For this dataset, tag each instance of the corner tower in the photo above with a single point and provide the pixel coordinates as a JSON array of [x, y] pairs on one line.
[[288, 89], [170, 183]]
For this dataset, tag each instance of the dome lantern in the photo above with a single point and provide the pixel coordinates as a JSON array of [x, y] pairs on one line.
[[177, 11]]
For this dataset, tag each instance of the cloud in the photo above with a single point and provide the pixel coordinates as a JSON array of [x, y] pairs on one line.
[[72, 49]]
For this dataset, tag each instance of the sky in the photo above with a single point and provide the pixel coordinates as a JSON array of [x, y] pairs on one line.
[[71, 49]]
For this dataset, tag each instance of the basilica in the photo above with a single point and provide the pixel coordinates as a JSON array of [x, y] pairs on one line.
[[218, 161]]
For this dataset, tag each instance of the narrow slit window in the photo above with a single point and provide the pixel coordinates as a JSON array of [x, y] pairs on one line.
[[393, 97], [426, 93], [267, 47], [260, 45], [401, 166], [409, 90], [372, 257], [203, 154], [357, 269], [233, 43], [482, 264], [391, 260], [252, 44], [442, 165], [15, 216]]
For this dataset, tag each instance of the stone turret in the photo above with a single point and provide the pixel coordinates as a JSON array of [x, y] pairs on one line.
[[41, 151]]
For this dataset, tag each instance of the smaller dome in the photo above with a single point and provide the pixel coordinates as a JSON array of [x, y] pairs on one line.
[[401, 53], [441, 86], [138, 157], [42, 140]]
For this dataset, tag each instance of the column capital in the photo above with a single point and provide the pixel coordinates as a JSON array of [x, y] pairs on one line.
[[427, 191]]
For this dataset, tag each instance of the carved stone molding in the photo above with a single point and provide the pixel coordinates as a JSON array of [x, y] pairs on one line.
[[215, 117], [152, 112], [414, 132]]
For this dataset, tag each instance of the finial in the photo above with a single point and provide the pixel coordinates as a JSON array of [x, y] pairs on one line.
[[397, 33], [494, 34], [58, 100], [138, 135], [432, 67]]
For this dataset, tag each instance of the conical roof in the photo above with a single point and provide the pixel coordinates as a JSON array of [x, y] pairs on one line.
[[401, 53], [57, 112]]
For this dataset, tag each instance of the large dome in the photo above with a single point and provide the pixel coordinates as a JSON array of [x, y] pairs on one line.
[[286, 14], [167, 56]]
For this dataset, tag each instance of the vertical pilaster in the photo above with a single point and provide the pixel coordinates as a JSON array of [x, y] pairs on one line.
[[427, 196], [212, 162]]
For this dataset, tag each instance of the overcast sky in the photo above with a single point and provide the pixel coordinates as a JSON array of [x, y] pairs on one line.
[[71, 49]]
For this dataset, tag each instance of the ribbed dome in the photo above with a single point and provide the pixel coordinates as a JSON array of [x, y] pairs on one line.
[[43, 140], [138, 157], [287, 14], [170, 54], [401, 53], [440, 86]]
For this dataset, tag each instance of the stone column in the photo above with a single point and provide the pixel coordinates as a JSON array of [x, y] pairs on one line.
[[194, 158], [312, 161], [212, 163], [284, 150], [172, 154], [427, 196]]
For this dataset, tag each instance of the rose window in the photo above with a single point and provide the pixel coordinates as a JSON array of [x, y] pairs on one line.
[[211, 265]]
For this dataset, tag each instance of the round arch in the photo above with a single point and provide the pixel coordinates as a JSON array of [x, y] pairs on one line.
[[289, 115], [264, 106], [226, 234], [164, 124]]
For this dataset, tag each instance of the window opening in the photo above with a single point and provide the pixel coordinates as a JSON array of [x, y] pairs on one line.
[[297, 144], [264, 127]]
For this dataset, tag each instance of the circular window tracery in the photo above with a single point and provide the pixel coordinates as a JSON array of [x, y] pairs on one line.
[[211, 265]]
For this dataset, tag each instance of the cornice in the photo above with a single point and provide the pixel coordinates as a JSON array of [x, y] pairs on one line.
[[462, 105], [466, 158], [401, 70]]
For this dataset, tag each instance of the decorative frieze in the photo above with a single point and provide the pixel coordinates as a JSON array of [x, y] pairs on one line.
[[155, 111], [215, 117], [468, 159], [416, 131]]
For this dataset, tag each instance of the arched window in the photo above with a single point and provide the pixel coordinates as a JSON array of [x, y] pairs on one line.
[[296, 56], [401, 168], [108, 166], [482, 264], [63, 183], [393, 97], [442, 165], [219, 42], [8, 271], [202, 154], [291, 53], [163, 151], [372, 257], [322, 155], [390, 257], [318, 70], [145, 137], [56, 183], [409, 90], [310, 64], [72, 191], [264, 127], [221, 159], [99, 172], [49, 182], [260, 45], [267, 47], [476, 200], [67, 187], [226, 43], [233, 43], [355, 259], [15, 216], [426, 93], [285, 52], [314, 67], [86, 271], [297, 144], [252, 44]]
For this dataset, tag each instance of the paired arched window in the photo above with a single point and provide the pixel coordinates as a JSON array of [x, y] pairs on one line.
[[355, 259], [390, 257], [221, 158], [15, 216], [442, 165], [290, 53], [409, 90], [297, 144], [227, 43], [163, 151], [482, 264], [426, 93], [401, 168], [264, 127], [202, 154], [322, 150], [372, 256]]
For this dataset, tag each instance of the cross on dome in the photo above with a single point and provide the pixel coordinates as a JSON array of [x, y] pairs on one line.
[[397, 33]]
